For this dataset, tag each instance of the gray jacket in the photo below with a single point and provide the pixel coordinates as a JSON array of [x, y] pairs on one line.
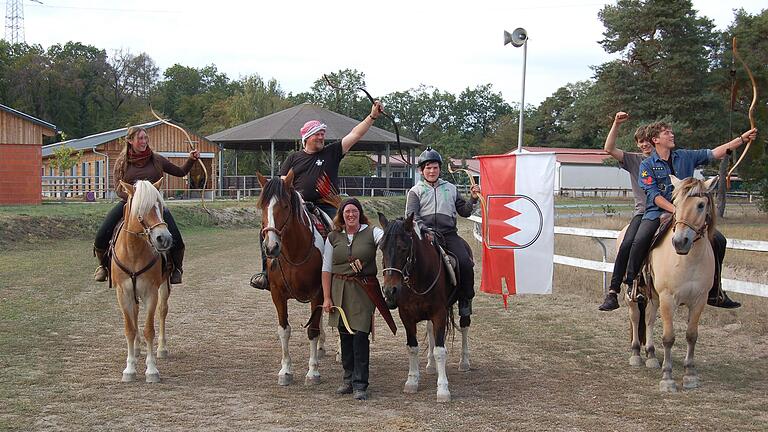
[[437, 207]]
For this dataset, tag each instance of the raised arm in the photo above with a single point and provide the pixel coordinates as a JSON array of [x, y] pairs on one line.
[[610, 140], [358, 131], [719, 152]]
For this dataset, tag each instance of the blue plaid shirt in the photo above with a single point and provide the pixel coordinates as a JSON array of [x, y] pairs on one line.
[[654, 175]]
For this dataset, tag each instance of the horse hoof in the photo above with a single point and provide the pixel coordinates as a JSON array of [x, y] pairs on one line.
[[635, 361], [444, 396], [129, 377], [153, 378], [667, 386], [690, 382], [312, 380], [162, 354], [410, 388], [430, 369], [464, 367], [652, 363], [285, 380]]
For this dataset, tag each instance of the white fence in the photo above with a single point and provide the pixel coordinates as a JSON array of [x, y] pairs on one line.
[[731, 285]]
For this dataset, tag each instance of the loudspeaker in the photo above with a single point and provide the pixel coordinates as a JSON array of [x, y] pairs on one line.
[[516, 38]]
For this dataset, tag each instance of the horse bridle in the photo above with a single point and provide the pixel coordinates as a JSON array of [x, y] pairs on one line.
[[405, 272], [701, 231], [279, 233]]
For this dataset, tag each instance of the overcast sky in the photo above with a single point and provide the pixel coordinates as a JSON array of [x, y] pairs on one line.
[[397, 44]]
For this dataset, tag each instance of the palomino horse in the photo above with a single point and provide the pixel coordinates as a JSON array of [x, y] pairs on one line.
[[137, 272], [680, 271], [293, 247], [416, 282]]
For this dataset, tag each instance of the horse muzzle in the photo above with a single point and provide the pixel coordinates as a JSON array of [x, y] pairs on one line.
[[682, 242], [390, 296], [161, 239]]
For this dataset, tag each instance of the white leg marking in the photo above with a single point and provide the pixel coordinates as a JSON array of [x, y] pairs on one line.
[[443, 394], [313, 374], [430, 348], [464, 363], [285, 376], [412, 383]]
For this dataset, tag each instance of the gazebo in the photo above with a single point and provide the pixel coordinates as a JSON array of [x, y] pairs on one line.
[[280, 132]]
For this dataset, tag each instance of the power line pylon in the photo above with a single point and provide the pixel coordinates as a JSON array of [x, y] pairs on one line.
[[14, 21]]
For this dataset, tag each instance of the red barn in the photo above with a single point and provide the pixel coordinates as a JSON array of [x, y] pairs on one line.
[[21, 140]]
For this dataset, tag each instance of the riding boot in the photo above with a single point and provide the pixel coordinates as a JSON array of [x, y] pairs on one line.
[[717, 297], [102, 271], [259, 280], [611, 301], [177, 256]]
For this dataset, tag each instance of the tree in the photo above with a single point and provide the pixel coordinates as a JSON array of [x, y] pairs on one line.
[[65, 158]]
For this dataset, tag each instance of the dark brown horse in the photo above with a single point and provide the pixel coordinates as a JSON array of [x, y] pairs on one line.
[[293, 247], [416, 282]]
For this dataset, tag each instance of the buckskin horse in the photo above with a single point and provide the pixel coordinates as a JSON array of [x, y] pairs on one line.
[[417, 284], [293, 247], [679, 271], [138, 273]]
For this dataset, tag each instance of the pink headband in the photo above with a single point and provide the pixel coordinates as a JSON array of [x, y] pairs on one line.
[[310, 128]]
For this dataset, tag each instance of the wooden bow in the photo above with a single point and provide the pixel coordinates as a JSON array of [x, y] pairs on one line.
[[752, 123], [471, 184], [192, 147]]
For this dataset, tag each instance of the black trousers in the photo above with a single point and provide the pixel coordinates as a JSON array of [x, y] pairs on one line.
[[456, 246], [622, 255], [355, 354], [104, 234], [642, 243]]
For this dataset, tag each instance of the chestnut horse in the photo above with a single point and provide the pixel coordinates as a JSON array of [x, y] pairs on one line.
[[293, 247], [416, 283], [680, 271], [137, 272]]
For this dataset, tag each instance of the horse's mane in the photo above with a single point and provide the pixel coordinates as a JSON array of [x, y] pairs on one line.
[[694, 187], [397, 224], [144, 198], [275, 188]]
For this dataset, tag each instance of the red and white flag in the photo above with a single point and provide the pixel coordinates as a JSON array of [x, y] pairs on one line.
[[518, 224]]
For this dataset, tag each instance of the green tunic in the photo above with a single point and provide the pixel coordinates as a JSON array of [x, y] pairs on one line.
[[348, 294]]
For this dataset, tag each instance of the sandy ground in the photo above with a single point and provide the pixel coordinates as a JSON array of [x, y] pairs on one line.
[[547, 363]]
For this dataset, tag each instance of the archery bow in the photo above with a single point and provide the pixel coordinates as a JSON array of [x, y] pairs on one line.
[[471, 184], [191, 146], [752, 123], [384, 113]]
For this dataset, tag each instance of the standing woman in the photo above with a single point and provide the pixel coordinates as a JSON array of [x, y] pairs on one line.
[[349, 262], [139, 162]]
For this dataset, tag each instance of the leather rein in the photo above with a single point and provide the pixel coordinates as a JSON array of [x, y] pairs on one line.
[[145, 233]]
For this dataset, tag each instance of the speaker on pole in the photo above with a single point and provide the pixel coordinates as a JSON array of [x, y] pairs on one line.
[[516, 38]]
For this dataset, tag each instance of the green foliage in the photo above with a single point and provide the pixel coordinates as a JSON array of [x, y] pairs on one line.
[[65, 158], [356, 165]]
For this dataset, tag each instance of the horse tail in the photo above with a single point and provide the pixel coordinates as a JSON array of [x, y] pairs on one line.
[[641, 305]]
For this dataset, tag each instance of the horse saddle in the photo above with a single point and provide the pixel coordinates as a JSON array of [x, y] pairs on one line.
[[450, 263], [319, 219], [665, 223]]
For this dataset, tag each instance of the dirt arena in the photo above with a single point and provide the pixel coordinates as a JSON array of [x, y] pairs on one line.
[[547, 363]]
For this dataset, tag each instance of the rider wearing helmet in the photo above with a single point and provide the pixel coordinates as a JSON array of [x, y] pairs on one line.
[[434, 204]]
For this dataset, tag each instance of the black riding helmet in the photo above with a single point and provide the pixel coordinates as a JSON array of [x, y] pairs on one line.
[[429, 155]]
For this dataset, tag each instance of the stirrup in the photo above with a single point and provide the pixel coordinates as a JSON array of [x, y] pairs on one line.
[[101, 274], [260, 281], [176, 276]]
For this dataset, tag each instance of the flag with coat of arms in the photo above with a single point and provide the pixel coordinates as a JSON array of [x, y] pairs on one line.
[[518, 223]]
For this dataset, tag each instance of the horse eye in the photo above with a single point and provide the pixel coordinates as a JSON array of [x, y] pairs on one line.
[[701, 206]]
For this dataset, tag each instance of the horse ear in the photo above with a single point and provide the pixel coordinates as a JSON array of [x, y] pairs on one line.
[[289, 178], [128, 188], [261, 178], [383, 220], [408, 223], [711, 184], [675, 181], [158, 183]]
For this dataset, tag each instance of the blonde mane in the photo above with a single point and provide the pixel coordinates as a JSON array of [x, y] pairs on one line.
[[144, 198]]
